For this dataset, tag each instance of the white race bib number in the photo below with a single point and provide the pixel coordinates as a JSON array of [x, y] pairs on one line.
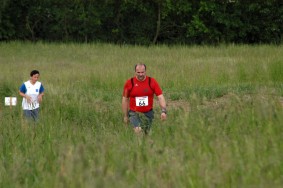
[[33, 98], [142, 101]]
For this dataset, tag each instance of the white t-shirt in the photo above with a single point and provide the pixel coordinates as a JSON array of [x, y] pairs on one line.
[[33, 91]]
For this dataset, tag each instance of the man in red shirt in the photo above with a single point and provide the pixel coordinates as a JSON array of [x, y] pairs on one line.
[[137, 101]]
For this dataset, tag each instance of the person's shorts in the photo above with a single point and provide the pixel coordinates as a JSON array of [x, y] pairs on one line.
[[143, 120], [32, 114]]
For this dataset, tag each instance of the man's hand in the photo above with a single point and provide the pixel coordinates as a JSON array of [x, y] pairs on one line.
[[39, 98], [163, 116], [126, 120], [28, 99]]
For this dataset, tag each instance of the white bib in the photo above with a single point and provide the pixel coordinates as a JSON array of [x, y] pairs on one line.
[[142, 101]]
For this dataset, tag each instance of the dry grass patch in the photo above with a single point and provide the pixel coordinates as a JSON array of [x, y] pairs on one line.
[[178, 104], [231, 99]]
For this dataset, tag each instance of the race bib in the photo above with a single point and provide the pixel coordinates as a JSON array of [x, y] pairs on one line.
[[34, 101], [33, 98], [142, 101]]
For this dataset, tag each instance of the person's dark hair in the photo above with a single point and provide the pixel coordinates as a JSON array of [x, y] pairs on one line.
[[34, 72], [140, 64]]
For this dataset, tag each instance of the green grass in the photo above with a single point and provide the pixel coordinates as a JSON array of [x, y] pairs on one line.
[[224, 126]]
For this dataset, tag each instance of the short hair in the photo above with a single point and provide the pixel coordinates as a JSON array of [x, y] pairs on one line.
[[140, 64], [34, 72]]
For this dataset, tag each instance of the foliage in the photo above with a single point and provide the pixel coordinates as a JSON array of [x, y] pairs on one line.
[[143, 22]]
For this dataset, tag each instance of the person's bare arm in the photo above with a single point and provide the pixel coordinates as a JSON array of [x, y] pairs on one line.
[[25, 96], [162, 104], [40, 97], [125, 108]]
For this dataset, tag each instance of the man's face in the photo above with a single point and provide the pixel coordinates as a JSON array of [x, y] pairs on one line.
[[140, 72], [34, 78]]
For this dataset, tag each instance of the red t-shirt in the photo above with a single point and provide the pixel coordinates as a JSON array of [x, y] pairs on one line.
[[141, 94]]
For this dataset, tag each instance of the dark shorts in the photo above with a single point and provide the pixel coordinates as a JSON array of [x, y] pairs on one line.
[[143, 120], [32, 114]]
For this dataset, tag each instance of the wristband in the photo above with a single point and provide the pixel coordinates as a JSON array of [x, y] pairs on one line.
[[164, 111]]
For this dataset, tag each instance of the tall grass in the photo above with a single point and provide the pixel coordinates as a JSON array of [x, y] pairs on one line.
[[224, 126]]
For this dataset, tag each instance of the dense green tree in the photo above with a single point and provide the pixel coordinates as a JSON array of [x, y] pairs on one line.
[[143, 21]]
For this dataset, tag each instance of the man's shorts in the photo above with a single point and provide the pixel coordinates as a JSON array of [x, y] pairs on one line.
[[32, 114], [141, 119]]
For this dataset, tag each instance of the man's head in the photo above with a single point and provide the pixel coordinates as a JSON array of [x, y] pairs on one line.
[[140, 70], [34, 75]]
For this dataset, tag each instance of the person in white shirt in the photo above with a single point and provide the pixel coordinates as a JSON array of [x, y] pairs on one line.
[[32, 92]]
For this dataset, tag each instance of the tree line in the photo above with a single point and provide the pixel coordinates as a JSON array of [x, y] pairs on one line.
[[143, 21]]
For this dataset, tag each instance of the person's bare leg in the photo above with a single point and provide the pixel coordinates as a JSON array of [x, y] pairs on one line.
[[138, 130]]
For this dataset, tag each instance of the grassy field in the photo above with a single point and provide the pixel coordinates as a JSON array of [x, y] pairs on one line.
[[224, 126]]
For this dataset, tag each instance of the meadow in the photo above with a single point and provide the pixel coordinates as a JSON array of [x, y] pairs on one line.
[[224, 126]]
